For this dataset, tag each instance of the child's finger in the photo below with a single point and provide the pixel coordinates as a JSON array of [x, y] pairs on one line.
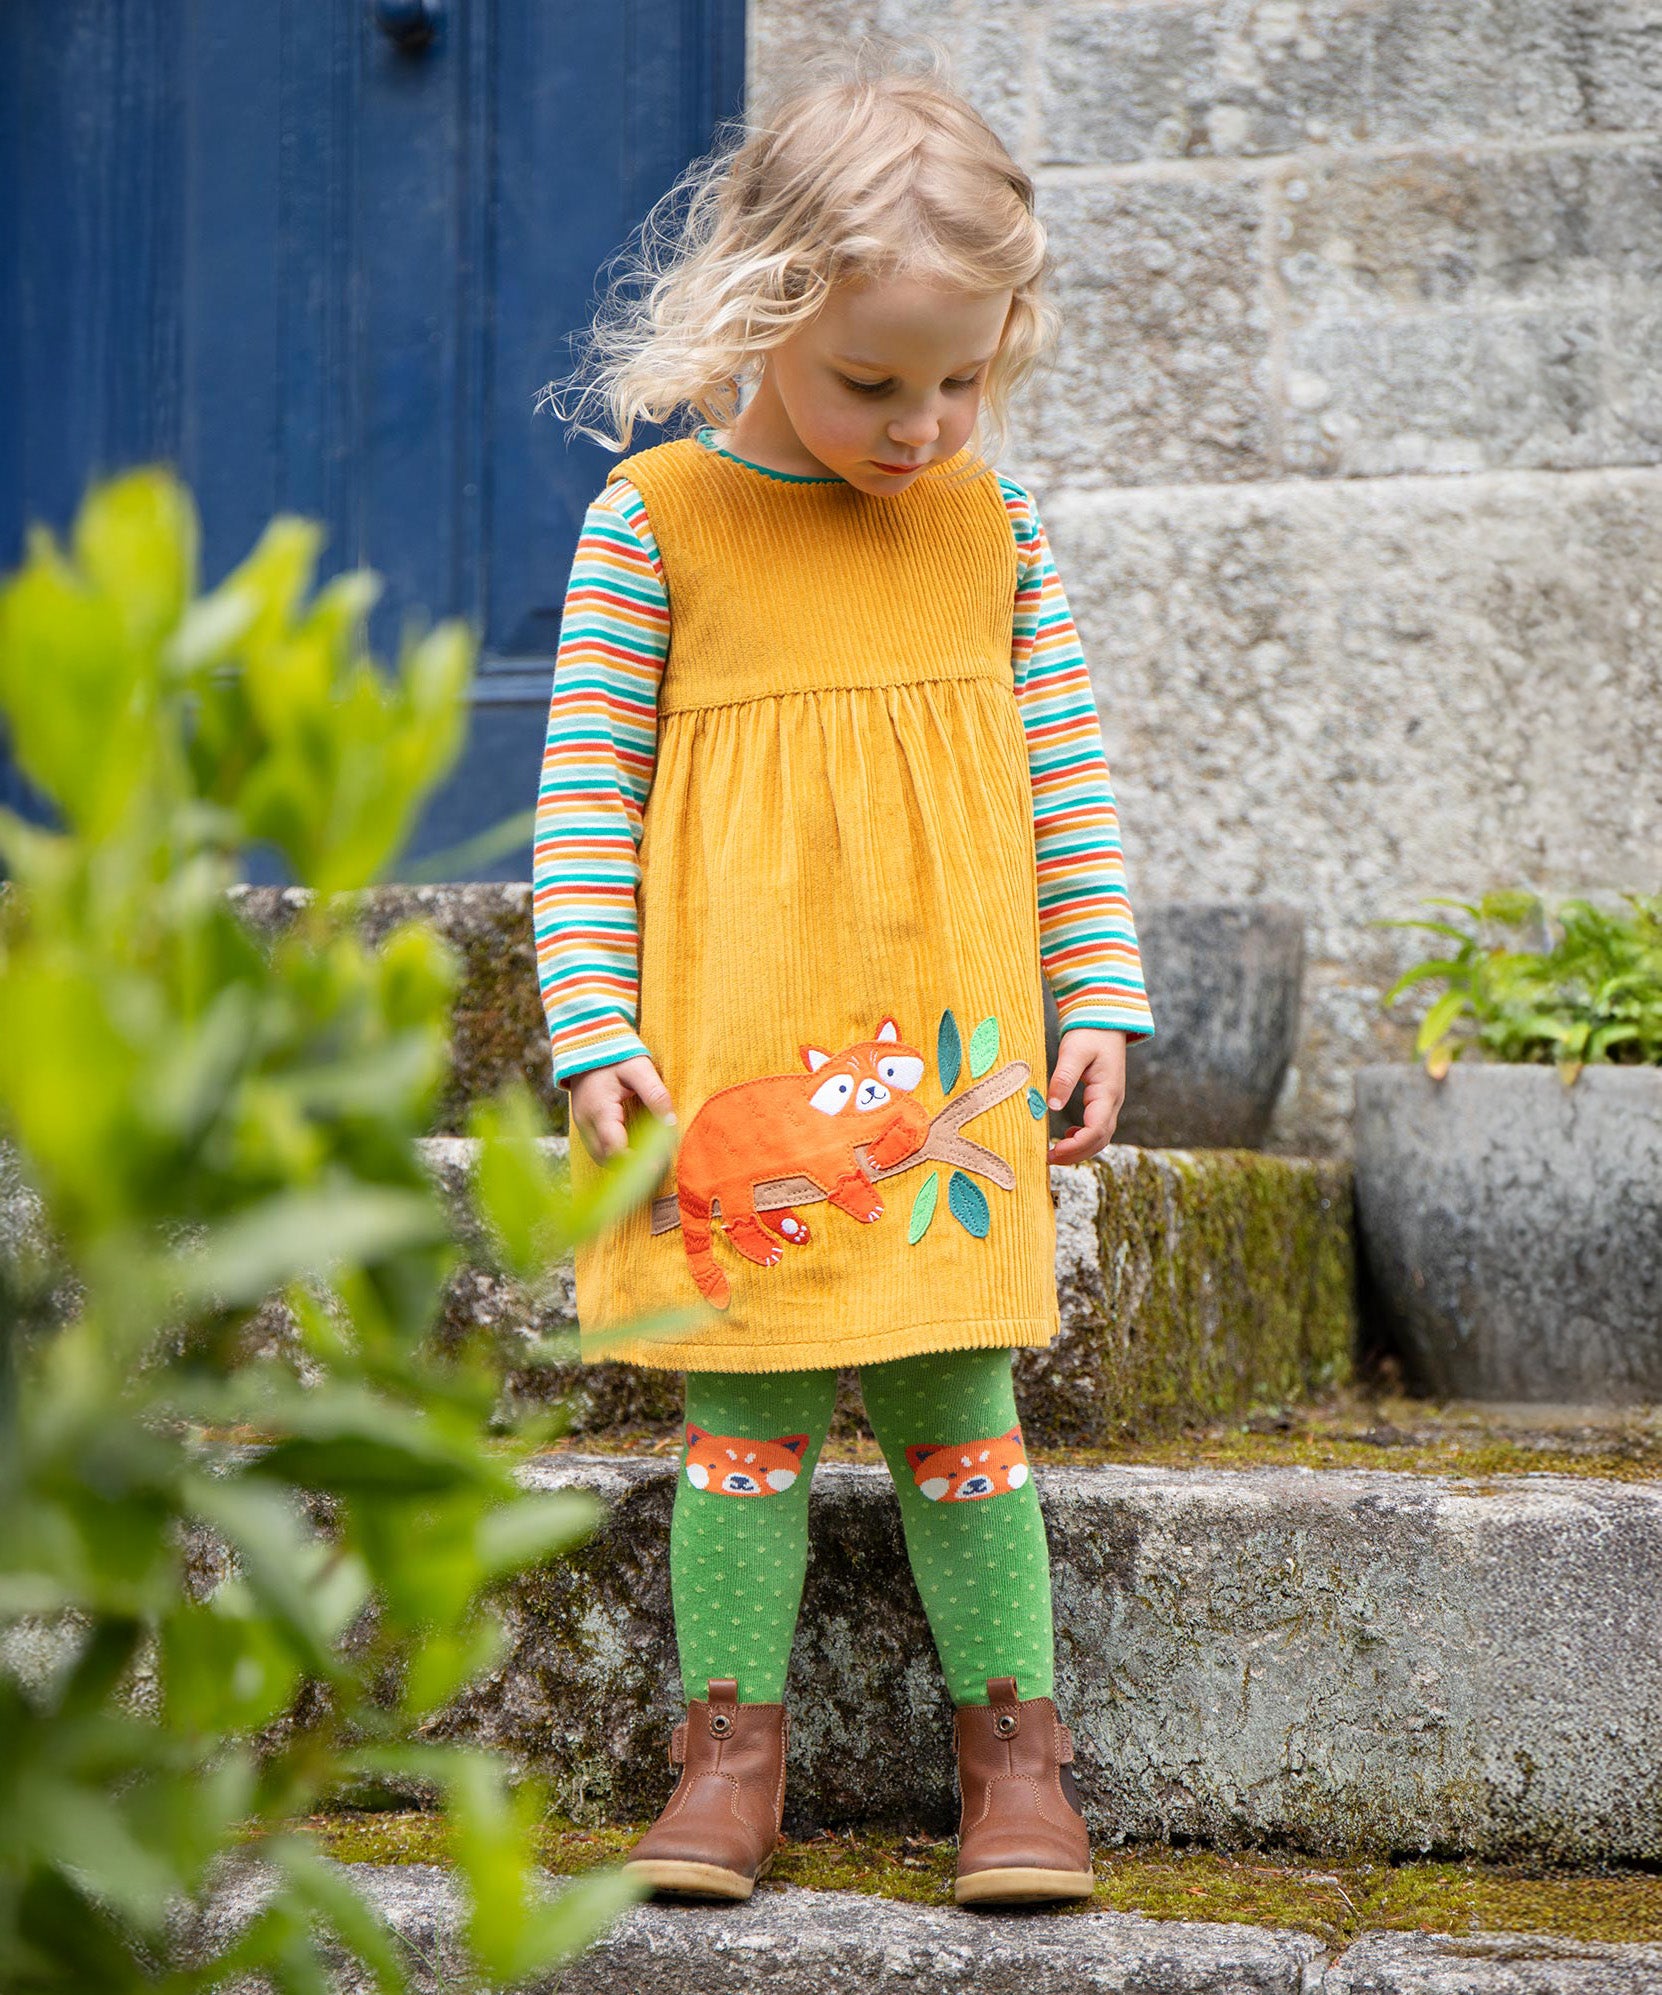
[[616, 1134], [650, 1087], [1071, 1062], [607, 1129], [1103, 1100]]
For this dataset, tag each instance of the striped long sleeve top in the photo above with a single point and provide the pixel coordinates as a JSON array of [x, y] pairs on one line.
[[597, 773]]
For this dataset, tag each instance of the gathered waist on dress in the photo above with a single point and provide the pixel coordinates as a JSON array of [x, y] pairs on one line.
[[747, 687]]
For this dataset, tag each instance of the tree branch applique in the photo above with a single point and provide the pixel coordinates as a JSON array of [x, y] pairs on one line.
[[846, 1124]]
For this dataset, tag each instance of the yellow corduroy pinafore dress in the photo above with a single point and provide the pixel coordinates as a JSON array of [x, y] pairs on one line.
[[840, 977]]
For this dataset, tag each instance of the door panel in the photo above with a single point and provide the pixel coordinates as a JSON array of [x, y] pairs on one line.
[[323, 273]]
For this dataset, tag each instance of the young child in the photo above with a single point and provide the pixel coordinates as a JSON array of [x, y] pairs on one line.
[[824, 798]]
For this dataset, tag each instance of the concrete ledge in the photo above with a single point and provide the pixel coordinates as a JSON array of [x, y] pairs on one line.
[[795, 1942], [798, 1942], [1349, 1660]]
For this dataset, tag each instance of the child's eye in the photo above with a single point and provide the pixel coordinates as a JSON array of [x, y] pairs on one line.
[[883, 387]]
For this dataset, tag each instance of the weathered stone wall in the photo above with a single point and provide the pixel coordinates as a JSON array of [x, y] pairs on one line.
[[1351, 455]]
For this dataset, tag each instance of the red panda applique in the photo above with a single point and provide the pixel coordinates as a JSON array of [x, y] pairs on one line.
[[726, 1466], [791, 1125], [968, 1469]]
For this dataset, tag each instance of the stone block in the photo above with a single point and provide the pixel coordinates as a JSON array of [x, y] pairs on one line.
[[1162, 370], [1336, 1660], [788, 1941], [1454, 312], [1162, 79], [990, 48], [1191, 1285], [1352, 694]]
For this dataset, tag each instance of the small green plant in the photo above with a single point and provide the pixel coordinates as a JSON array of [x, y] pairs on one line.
[[1516, 991], [205, 1123]]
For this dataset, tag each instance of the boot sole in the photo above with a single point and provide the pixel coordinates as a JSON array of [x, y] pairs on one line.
[[693, 1880], [1021, 1886]]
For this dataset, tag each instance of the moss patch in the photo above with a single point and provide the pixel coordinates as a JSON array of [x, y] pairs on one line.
[[1222, 1280], [1336, 1902], [1350, 1427]]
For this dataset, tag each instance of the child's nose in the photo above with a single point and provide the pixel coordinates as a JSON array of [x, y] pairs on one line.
[[917, 434]]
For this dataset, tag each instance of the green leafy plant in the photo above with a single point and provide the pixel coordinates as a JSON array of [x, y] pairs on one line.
[[205, 1123], [1514, 990]]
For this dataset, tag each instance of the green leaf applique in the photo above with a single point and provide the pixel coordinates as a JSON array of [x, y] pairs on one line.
[[949, 1051], [923, 1207], [983, 1047], [1035, 1103], [969, 1204]]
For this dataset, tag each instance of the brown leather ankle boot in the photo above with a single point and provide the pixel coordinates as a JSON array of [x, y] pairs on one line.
[[720, 1827], [1021, 1832]]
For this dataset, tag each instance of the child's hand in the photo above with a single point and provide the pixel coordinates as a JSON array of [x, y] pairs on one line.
[[600, 1103], [1100, 1057]]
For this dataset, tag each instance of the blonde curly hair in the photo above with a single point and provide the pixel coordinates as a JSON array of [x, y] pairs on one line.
[[878, 170]]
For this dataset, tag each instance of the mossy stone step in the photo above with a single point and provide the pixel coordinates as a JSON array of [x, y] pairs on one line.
[[794, 1942], [1329, 1660], [1192, 1285]]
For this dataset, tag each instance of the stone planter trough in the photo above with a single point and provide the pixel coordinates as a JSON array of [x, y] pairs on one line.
[[1511, 1229], [1224, 983]]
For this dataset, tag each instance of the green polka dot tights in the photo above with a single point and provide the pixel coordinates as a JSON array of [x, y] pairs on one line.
[[974, 1533]]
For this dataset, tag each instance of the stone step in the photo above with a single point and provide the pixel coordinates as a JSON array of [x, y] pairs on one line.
[[1225, 980], [1363, 1659], [1192, 1285], [794, 1942]]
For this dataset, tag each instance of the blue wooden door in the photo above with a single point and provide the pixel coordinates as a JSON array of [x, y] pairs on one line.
[[324, 266]]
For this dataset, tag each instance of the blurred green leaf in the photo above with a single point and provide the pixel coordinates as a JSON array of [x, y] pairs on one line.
[[534, 1529], [251, 1553]]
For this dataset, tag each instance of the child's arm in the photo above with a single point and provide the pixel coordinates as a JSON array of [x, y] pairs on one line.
[[1087, 937], [597, 770]]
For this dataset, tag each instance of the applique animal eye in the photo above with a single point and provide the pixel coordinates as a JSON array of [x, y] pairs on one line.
[[901, 1071], [833, 1096]]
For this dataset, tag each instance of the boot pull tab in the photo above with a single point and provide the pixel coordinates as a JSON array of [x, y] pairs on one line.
[[678, 1745], [1001, 1694], [723, 1702]]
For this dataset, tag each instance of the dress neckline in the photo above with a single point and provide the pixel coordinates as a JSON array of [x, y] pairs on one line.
[[707, 436]]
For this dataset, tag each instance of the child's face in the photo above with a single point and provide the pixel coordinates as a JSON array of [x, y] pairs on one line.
[[887, 377]]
